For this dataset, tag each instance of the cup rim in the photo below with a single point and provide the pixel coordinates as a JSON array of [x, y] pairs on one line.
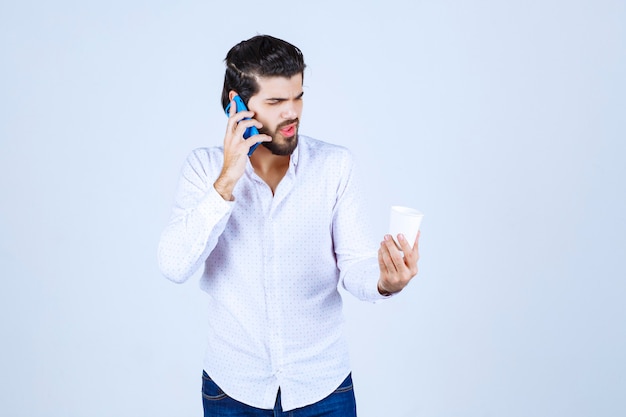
[[407, 211]]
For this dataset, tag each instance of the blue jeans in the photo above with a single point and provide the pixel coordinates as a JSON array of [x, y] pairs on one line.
[[216, 403]]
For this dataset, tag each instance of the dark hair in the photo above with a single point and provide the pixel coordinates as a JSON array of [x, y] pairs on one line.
[[260, 56]]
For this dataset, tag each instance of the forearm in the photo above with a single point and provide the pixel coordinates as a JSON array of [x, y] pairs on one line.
[[361, 280], [190, 237]]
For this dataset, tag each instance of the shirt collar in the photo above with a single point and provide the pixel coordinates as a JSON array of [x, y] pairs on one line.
[[293, 161]]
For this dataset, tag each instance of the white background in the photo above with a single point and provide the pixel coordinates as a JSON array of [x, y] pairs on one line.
[[504, 121]]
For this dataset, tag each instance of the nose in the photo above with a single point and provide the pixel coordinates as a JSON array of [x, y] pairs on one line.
[[289, 111]]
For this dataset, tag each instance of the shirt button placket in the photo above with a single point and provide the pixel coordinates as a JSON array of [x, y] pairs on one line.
[[272, 293]]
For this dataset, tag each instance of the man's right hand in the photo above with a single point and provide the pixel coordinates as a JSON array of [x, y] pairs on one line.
[[236, 150]]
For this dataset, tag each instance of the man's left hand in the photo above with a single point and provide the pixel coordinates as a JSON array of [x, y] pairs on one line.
[[396, 270]]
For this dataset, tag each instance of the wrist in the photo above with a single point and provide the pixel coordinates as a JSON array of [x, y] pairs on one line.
[[382, 290], [224, 188]]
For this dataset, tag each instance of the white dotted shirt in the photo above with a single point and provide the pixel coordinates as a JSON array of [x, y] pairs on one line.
[[272, 264]]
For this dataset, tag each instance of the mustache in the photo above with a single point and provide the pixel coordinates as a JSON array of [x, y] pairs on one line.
[[287, 123]]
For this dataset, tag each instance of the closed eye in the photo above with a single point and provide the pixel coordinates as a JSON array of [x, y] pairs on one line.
[[272, 101]]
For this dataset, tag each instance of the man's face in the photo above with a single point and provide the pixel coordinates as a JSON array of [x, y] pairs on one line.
[[278, 105]]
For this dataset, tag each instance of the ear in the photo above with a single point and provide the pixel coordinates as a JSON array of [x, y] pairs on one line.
[[232, 94]]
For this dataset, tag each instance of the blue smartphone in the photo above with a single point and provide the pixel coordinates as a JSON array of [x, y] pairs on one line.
[[251, 131]]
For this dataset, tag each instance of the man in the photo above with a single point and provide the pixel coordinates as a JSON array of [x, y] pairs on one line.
[[277, 233]]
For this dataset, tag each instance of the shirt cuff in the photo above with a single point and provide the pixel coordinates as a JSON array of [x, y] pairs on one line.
[[368, 272], [215, 202]]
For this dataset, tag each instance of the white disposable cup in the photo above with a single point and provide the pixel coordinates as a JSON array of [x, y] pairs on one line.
[[405, 220]]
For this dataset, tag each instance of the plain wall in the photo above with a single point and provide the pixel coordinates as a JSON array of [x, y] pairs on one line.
[[503, 121]]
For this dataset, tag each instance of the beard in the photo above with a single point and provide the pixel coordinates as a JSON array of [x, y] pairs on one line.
[[287, 145]]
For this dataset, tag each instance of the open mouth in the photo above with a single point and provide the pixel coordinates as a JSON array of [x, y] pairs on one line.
[[288, 130]]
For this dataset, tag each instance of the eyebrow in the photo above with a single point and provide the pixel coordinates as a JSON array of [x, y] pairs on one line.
[[284, 99]]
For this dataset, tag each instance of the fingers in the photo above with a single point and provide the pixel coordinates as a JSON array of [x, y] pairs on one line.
[[238, 123], [415, 252], [394, 253], [234, 140], [390, 260], [404, 244], [242, 115], [236, 149], [242, 121], [417, 239], [383, 259], [241, 127], [397, 270], [411, 254], [235, 117], [232, 112]]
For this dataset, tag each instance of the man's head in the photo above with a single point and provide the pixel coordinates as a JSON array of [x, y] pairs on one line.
[[267, 74], [260, 56]]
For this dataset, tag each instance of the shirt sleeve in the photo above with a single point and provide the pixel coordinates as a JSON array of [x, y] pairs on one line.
[[199, 217], [355, 246]]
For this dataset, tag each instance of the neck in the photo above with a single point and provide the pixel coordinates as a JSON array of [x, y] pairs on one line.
[[271, 168], [264, 161]]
